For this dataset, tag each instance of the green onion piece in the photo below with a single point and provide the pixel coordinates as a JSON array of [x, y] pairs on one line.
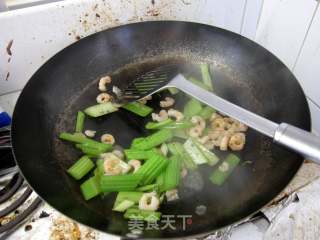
[[224, 170], [102, 147], [171, 176], [192, 107], [152, 168], [206, 112], [153, 140], [138, 108], [147, 188], [80, 121], [180, 133], [81, 167], [196, 155], [212, 158], [158, 125], [119, 182], [206, 78], [179, 125], [101, 109], [123, 206], [173, 90], [199, 83], [90, 188], [92, 152], [176, 148], [134, 213]]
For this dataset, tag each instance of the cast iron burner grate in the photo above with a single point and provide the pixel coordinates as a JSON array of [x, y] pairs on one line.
[[13, 184]]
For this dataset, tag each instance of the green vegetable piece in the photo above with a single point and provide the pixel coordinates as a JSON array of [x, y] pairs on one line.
[[206, 112], [199, 83], [80, 121], [119, 183], [152, 168], [90, 188], [158, 125], [123, 206], [149, 216], [101, 109], [147, 188], [196, 155], [138, 108], [180, 133], [81, 167], [131, 196], [138, 154], [224, 170], [206, 78], [179, 125], [171, 177], [212, 158], [153, 140], [193, 107], [100, 166], [176, 148]]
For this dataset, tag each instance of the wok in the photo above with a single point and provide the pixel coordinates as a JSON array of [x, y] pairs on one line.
[[243, 73]]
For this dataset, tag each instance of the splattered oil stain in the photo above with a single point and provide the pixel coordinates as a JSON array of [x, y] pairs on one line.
[[9, 52], [97, 15], [78, 37], [153, 2], [8, 75]]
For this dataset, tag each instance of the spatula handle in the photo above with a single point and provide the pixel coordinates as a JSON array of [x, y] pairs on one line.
[[301, 141]]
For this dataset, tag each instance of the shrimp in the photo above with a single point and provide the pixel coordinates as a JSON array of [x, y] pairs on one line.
[[167, 102], [172, 195], [164, 149], [224, 142], [216, 137], [90, 133], [237, 141], [239, 126], [218, 124], [113, 165], [145, 99], [198, 121], [195, 131], [175, 114], [118, 153], [214, 116], [107, 138], [103, 98], [103, 83], [136, 164], [149, 201], [204, 139], [163, 115]]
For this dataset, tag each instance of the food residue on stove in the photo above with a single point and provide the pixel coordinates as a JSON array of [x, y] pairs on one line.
[[9, 52], [97, 15], [8, 75], [27, 227], [78, 37], [44, 214], [153, 2]]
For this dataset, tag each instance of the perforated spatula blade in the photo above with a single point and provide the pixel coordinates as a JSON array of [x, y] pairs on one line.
[[166, 76]]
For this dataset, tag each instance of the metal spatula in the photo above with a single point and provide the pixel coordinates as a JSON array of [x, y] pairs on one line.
[[287, 135]]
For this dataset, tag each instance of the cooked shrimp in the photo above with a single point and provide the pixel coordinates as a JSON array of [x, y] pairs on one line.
[[195, 131], [172, 195], [175, 114], [167, 102], [218, 124], [216, 137], [112, 165], [103, 83], [149, 201], [239, 126], [107, 138], [163, 115], [118, 153], [164, 149], [237, 141], [204, 139], [198, 121], [224, 142], [145, 99], [90, 133], [214, 116], [209, 145], [103, 98], [136, 164]]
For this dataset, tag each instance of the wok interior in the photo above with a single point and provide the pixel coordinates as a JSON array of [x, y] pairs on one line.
[[243, 73]]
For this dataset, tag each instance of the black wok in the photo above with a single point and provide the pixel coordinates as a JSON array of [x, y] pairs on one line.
[[243, 73]]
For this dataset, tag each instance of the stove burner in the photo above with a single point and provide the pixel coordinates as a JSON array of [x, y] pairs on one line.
[[14, 185]]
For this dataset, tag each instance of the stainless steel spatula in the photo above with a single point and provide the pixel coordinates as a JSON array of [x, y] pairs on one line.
[[285, 134]]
